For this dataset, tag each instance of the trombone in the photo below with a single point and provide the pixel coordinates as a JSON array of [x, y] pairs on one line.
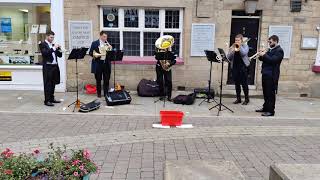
[[236, 46]]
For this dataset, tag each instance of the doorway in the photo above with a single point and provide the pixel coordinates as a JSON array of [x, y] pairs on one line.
[[248, 26]]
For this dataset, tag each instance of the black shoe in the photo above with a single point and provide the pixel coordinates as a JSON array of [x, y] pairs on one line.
[[267, 114], [246, 102], [237, 101], [260, 110], [161, 98], [49, 104], [169, 99], [55, 101]]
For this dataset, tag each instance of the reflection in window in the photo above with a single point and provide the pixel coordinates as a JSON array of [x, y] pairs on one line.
[[172, 19], [149, 41], [131, 18], [151, 18], [114, 39], [176, 46], [131, 43], [110, 17]]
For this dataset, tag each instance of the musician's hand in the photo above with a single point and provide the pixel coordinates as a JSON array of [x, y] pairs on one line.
[[56, 46]]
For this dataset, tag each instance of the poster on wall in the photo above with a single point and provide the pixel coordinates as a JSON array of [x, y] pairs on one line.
[[80, 34], [202, 38], [43, 28], [285, 37], [5, 25]]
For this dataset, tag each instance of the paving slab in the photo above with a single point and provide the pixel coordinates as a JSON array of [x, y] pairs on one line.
[[202, 170], [295, 172]]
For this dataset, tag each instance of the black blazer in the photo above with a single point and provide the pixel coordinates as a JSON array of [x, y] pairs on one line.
[[271, 64], [94, 63], [172, 57], [46, 52]]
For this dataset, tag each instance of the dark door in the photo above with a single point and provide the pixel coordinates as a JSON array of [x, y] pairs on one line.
[[248, 27]]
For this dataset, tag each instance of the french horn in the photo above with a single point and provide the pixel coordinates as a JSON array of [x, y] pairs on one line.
[[164, 44], [103, 50]]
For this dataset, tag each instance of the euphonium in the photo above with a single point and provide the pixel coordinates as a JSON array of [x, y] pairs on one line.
[[163, 44]]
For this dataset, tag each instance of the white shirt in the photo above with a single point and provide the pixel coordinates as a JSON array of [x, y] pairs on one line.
[[53, 53]]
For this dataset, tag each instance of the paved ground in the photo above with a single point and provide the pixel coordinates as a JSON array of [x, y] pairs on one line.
[[126, 147]]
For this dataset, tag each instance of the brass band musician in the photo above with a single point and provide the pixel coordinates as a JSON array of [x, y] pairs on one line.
[[238, 56], [163, 67]]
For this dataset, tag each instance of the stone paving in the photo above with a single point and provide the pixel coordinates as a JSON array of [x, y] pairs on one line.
[[127, 147]]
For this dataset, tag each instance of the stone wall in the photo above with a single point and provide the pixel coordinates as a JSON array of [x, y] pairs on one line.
[[296, 75]]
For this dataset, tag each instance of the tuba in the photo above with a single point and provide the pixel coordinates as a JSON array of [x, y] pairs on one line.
[[103, 49], [164, 44]]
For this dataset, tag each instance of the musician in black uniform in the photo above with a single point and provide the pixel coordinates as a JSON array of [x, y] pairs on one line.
[[271, 59], [101, 68], [164, 75], [51, 73]]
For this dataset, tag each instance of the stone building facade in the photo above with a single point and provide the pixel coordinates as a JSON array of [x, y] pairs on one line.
[[296, 78]]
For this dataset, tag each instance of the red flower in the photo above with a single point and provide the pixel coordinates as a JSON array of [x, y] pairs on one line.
[[36, 152], [86, 154], [75, 162], [8, 171], [9, 154]]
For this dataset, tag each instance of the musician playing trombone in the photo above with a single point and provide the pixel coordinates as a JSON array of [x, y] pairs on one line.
[[100, 65], [238, 56]]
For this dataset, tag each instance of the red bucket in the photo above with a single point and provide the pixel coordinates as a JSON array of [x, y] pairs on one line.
[[171, 118], [90, 89]]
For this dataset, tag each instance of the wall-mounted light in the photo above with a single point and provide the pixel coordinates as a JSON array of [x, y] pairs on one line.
[[24, 10], [250, 6]]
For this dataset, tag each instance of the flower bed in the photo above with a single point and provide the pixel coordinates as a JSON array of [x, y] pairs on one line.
[[55, 165]]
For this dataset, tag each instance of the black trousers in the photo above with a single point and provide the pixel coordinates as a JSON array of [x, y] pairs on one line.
[[103, 71], [269, 93], [240, 77], [51, 77], [165, 76]]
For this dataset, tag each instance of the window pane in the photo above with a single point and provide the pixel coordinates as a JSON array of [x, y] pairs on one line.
[[149, 40], [131, 18], [176, 46], [114, 39], [151, 18], [172, 19], [110, 17], [131, 43]]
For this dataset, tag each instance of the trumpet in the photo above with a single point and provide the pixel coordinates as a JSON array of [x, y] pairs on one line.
[[103, 49], [257, 55]]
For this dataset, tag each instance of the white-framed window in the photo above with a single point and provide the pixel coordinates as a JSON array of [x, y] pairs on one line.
[[135, 29]]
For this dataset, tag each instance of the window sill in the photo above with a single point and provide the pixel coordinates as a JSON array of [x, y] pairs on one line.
[[148, 60], [21, 67]]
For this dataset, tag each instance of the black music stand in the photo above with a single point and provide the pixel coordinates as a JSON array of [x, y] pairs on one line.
[[164, 56], [113, 56], [219, 105], [77, 54], [212, 57]]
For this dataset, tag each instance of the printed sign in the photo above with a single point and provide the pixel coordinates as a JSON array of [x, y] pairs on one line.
[[5, 24], [202, 38], [285, 36], [80, 34]]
